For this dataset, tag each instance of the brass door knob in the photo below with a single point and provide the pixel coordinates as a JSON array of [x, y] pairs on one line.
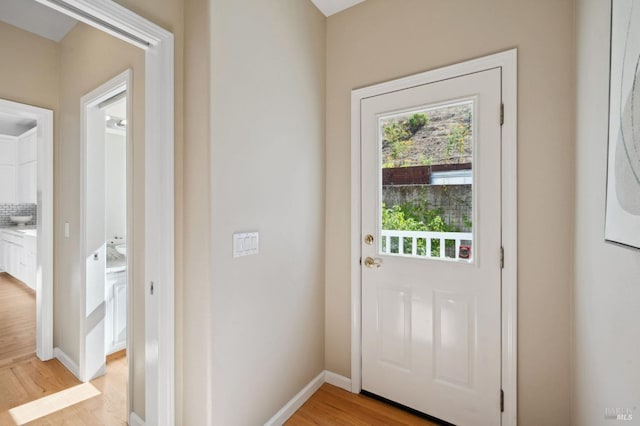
[[370, 262]]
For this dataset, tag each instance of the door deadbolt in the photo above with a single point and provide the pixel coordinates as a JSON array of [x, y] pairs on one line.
[[368, 239]]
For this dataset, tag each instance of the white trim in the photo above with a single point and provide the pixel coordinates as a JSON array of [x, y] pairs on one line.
[[66, 360], [507, 61], [159, 191], [159, 236], [135, 420], [510, 238], [297, 401], [338, 380], [44, 275], [89, 101]]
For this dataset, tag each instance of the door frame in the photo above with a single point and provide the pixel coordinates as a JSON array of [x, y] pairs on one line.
[[119, 83], [159, 269], [44, 275], [507, 61]]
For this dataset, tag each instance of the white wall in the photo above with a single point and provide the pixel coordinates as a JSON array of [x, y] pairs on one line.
[[606, 352], [267, 169], [116, 185]]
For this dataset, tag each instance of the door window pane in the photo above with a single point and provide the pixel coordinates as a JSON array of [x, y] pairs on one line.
[[427, 182]]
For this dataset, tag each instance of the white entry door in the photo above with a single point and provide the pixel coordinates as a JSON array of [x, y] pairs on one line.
[[431, 248]]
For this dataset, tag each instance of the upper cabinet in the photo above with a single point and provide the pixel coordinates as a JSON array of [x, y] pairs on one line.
[[8, 178], [18, 168]]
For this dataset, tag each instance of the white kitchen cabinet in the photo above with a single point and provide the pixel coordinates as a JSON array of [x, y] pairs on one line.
[[8, 150], [28, 261], [18, 168], [27, 147], [7, 184], [26, 183], [7, 169], [18, 256], [2, 252]]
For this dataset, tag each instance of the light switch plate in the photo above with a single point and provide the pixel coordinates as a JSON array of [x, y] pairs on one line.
[[245, 244]]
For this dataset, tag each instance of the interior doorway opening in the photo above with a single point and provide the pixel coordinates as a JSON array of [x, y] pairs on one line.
[[106, 223], [26, 220]]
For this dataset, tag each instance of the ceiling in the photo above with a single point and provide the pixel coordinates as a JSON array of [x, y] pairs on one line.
[[31, 16], [330, 7], [12, 125]]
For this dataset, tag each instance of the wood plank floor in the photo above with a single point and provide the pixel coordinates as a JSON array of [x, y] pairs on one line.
[[334, 406], [17, 320], [45, 393], [101, 402]]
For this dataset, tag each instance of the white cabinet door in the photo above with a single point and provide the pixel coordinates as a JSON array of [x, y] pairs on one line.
[[116, 312], [2, 251], [27, 145], [7, 169], [120, 314], [7, 150], [28, 266], [12, 259], [7, 183], [27, 175]]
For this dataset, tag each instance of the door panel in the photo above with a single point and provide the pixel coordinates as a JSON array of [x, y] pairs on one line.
[[431, 230], [394, 323]]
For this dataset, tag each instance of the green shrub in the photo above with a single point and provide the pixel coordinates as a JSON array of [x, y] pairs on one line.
[[415, 217], [417, 121]]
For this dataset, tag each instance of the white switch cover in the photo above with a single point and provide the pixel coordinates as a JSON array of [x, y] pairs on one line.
[[66, 229], [245, 244]]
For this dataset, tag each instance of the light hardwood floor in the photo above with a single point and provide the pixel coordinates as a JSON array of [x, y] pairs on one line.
[[333, 406], [45, 393], [17, 320]]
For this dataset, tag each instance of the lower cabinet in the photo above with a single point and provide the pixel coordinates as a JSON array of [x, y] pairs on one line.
[[18, 256], [116, 311]]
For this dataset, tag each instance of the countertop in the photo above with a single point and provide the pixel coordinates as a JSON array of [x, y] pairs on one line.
[[31, 231]]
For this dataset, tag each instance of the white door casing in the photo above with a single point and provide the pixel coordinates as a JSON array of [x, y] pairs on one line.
[[505, 347], [431, 327], [95, 307], [44, 191]]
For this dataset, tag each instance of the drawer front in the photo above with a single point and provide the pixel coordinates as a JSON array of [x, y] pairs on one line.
[[12, 238]]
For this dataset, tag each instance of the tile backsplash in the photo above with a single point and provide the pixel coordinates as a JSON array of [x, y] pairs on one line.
[[8, 210]]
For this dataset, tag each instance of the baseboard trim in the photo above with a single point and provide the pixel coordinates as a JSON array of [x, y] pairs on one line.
[[296, 402], [338, 380], [68, 363], [134, 420]]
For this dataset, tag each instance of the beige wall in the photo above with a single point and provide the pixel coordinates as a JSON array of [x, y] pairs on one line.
[[380, 40], [606, 291], [30, 68], [268, 91], [196, 336], [89, 58]]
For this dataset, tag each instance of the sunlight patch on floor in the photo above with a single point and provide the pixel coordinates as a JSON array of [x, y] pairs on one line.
[[44, 406]]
